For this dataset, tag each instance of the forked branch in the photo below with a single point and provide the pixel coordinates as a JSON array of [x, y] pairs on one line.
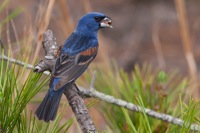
[[76, 103]]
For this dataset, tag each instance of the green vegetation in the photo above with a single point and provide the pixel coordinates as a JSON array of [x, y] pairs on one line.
[[165, 93], [157, 90], [16, 90]]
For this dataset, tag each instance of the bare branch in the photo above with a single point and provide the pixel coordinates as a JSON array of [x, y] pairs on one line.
[[51, 49], [78, 107], [21, 63], [77, 103], [133, 107], [122, 103], [75, 100]]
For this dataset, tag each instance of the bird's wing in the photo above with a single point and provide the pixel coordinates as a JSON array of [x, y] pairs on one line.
[[69, 68]]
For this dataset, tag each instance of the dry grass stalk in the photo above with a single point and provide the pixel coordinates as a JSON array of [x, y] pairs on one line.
[[86, 5], [43, 21], [16, 36], [64, 10], [8, 35], [186, 39], [157, 45]]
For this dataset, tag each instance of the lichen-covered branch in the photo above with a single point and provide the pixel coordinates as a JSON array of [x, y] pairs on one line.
[[76, 101], [78, 106], [136, 108], [51, 49], [110, 99]]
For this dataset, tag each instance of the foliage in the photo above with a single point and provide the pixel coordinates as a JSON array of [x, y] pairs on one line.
[[15, 92], [157, 90]]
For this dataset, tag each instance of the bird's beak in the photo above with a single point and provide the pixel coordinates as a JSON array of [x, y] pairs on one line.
[[106, 23]]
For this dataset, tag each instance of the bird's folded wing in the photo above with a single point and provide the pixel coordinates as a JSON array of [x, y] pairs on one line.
[[69, 68]]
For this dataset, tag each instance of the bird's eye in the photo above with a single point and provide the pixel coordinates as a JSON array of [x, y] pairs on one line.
[[96, 18], [99, 19]]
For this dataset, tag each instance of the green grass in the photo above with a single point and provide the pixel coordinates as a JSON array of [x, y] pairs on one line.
[[164, 92], [16, 91]]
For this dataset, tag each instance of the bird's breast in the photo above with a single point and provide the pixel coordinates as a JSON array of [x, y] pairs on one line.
[[78, 43]]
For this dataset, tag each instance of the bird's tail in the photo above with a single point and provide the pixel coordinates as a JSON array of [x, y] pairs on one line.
[[48, 108]]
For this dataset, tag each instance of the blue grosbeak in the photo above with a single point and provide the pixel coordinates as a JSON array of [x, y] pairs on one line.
[[77, 53]]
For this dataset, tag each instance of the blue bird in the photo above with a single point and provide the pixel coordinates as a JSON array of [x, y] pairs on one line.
[[77, 53]]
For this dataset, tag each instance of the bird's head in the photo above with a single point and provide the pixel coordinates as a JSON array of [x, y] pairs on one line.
[[93, 21]]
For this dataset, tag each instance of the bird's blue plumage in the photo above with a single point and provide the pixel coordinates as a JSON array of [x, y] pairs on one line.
[[76, 38], [78, 51]]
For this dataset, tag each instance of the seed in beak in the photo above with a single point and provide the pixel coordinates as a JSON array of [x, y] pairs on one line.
[[106, 23]]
